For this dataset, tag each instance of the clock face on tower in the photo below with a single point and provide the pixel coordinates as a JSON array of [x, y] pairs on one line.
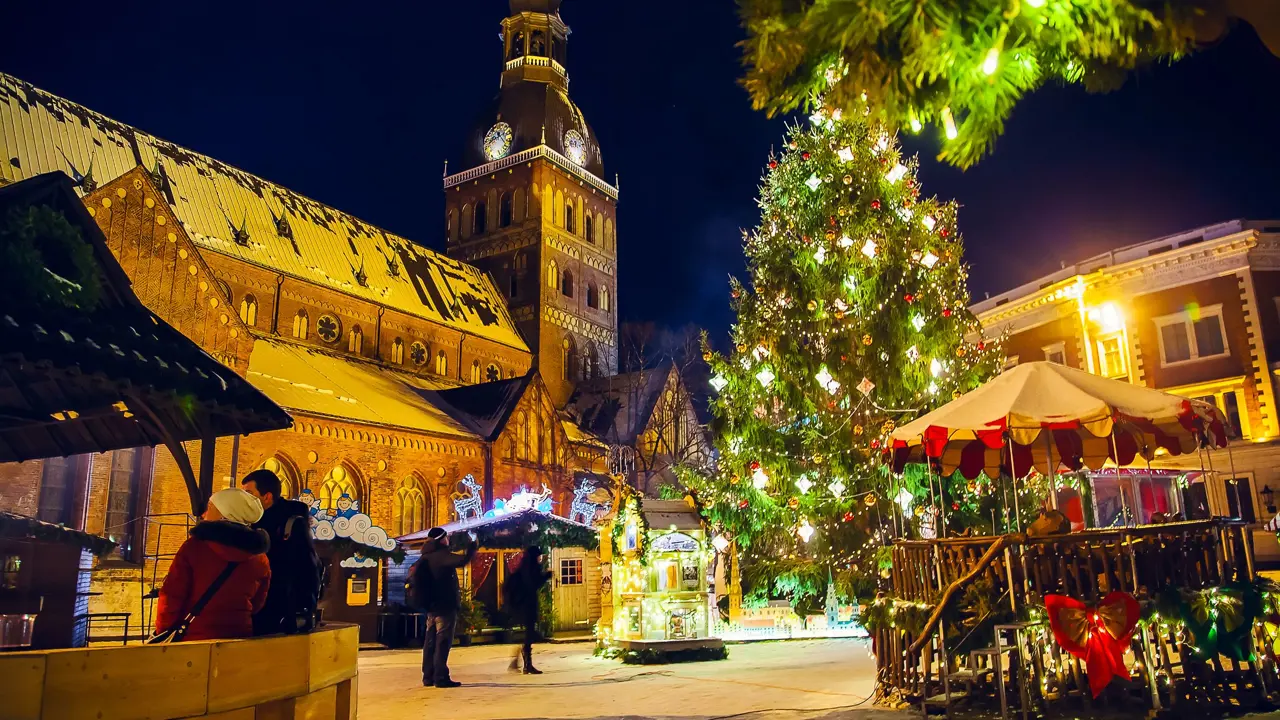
[[575, 147], [497, 142]]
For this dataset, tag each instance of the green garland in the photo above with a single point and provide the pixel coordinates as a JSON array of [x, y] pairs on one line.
[[632, 506], [21, 527], [888, 612], [45, 263]]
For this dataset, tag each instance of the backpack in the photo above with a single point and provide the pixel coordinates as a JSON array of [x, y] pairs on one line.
[[307, 576], [417, 585]]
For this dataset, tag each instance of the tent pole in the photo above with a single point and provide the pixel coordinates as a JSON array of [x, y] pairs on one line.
[[1013, 474], [1053, 476], [1115, 451]]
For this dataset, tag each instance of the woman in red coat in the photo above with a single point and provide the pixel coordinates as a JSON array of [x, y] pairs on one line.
[[225, 536]]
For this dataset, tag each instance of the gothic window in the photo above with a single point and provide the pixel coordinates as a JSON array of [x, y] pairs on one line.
[[604, 299], [590, 366], [536, 451], [608, 233], [285, 470], [590, 228], [593, 296], [409, 508], [355, 342], [599, 236], [521, 203], [568, 215], [475, 371], [522, 430], [513, 286], [397, 351], [418, 353], [492, 373], [568, 360], [127, 496], [329, 328], [566, 284], [337, 483], [442, 364], [301, 325], [451, 225], [553, 275], [249, 310], [466, 224], [504, 210], [61, 480], [482, 217]]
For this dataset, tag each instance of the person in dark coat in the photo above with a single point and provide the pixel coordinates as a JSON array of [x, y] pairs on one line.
[[295, 567], [522, 588], [442, 602], [223, 537]]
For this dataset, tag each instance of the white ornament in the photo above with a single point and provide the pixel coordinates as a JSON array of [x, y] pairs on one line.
[[904, 499], [929, 222], [929, 260], [866, 386], [805, 531], [840, 304], [820, 255], [845, 154], [837, 488], [845, 241], [718, 382], [720, 543], [933, 388], [825, 380], [917, 321], [912, 354], [765, 376], [760, 352], [759, 478], [883, 144], [898, 172], [869, 249], [935, 367], [804, 484], [813, 182]]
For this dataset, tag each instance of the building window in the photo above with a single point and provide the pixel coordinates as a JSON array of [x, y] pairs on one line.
[[301, 325], [571, 571], [442, 364], [397, 351], [566, 284], [481, 218], [475, 371], [418, 353], [593, 296], [492, 373], [604, 299], [355, 342], [1192, 335], [1228, 401], [504, 210], [589, 226], [338, 492], [249, 310], [567, 359], [553, 275], [61, 481], [513, 286], [127, 492], [1112, 356], [1240, 499], [522, 428], [1056, 353], [409, 508], [568, 216]]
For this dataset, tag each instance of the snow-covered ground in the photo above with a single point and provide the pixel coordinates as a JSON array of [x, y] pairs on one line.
[[796, 679]]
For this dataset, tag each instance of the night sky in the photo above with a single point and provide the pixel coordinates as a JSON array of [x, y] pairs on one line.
[[359, 104]]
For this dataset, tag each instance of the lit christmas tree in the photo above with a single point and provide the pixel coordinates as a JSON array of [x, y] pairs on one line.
[[855, 319]]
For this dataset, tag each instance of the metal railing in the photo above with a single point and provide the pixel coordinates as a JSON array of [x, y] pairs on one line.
[[526, 155], [93, 620]]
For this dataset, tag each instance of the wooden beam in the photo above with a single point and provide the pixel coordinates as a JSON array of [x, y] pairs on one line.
[[208, 446], [176, 449]]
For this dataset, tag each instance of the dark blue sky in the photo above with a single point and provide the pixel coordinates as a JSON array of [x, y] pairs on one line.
[[358, 105]]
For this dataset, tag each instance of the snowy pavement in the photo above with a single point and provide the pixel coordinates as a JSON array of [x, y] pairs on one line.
[[796, 680]]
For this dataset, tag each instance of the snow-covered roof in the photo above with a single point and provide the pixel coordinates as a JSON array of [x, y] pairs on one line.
[[229, 211], [305, 379]]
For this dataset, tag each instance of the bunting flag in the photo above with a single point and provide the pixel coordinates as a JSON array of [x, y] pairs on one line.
[[1098, 634]]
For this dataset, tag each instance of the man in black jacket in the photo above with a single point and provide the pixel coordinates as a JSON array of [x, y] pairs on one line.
[[442, 603], [295, 569]]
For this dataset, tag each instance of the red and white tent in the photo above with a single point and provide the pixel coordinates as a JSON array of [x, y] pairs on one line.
[[1049, 416]]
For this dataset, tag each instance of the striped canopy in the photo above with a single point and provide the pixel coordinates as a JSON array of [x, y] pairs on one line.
[[1042, 414]]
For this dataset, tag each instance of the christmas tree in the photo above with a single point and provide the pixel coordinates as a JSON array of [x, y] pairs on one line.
[[855, 318]]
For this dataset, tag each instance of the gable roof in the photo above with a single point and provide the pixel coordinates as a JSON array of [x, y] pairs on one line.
[[484, 408], [110, 376], [229, 211], [617, 408]]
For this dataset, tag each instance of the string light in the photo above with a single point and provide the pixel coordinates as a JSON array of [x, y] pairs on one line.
[[992, 61], [949, 124]]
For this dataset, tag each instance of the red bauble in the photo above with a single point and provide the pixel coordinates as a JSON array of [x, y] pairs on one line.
[[909, 298], [875, 444], [944, 232], [743, 504], [773, 164], [805, 155], [832, 220], [982, 346], [946, 313], [875, 204], [848, 516], [754, 466], [955, 506]]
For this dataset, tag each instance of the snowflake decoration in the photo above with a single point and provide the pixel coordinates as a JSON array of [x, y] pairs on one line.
[[820, 255], [845, 242], [837, 488], [718, 382], [759, 478], [825, 380], [765, 376], [813, 182], [917, 321], [929, 260], [929, 222], [869, 248], [898, 172], [804, 484]]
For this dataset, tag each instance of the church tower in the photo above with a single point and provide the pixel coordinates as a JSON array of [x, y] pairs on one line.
[[531, 208]]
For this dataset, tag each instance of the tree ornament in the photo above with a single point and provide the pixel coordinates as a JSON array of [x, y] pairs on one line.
[[946, 312], [857, 430], [813, 305], [793, 503], [918, 510], [831, 234], [848, 179], [944, 232], [955, 395], [875, 444], [848, 516], [742, 504], [866, 339], [773, 164], [805, 155], [960, 351], [843, 211], [982, 345], [869, 500], [909, 298], [792, 144], [706, 356], [735, 479], [875, 204]]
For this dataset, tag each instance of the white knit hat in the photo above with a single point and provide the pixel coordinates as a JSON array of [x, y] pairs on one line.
[[237, 505]]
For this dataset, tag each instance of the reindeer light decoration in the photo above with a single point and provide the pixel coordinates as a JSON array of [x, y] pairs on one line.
[[582, 509], [468, 504]]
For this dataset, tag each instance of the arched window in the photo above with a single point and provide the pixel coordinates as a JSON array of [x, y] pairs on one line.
[[522, 434], [568, 215], [568, 360], [599, 236], [492, 373], [604, 298], [397, 351], [517, 45], [590, 226], [467, 223], [301, 325], [409, 508], [337, 484], [504, 210], [553, 275], [566, 284], [513, 286], [451, 224], [481, 219], [475, 371], [442, 363], [521, 204], [249, 310], [538, 43], [536, 432], [284, 469], [590, 362], [355, 342], [593, 296], [608, 233]]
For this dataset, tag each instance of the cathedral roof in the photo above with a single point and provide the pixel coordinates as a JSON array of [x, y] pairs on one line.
[[229, 211], [535, 110], [618, 407], [550, 7], [484, 408]]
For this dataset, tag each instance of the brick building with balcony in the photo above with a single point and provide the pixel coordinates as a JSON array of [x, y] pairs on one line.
[[1195, 314]]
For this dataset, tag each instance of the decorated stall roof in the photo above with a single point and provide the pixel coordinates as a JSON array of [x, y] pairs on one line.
[[229, 211], [84, 366], [517, 530], [671, 515], [315, 382], [22, 527]]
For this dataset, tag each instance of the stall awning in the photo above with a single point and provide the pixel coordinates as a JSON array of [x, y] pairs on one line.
[[671, 515]]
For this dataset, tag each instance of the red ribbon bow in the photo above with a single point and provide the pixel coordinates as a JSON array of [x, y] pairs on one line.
[[1098, 635]]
